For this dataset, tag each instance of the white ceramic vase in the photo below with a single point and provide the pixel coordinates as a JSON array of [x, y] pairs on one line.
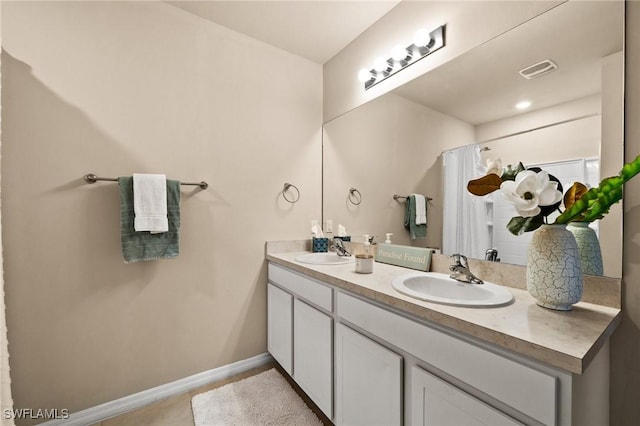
[[588, 247], [554, 273]]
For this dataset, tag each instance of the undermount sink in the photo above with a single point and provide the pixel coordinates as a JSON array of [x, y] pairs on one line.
[[439, 288], [324, 259]]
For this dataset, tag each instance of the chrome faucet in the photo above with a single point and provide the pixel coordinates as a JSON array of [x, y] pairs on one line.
[[460, 270], [491, 255], [338, 245]]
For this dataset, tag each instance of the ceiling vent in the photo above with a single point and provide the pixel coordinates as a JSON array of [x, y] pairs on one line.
[[539, 69]]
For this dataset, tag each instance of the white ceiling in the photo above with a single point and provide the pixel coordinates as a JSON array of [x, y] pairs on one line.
[[483, 85], [315, 30], [480, 86]]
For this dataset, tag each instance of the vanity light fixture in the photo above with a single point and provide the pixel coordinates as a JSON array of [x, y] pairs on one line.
[[399, 53], [424, 43]]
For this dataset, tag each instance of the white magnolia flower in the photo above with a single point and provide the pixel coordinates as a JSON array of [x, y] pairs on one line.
[[529, 191], [494, 166]]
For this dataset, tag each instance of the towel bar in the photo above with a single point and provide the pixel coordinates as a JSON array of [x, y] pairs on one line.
[[398, 197], [92, 178]]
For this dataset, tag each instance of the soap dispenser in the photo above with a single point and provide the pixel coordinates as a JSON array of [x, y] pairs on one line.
[[364, 262], [388, 240]]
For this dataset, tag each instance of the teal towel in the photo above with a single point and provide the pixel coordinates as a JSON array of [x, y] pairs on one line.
[[416, 231], [142, 246]]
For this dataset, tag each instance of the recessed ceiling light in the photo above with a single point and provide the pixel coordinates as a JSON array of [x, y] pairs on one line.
[[523, 105]]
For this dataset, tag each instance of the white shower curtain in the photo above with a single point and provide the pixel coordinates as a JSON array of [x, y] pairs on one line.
[[465, 223]]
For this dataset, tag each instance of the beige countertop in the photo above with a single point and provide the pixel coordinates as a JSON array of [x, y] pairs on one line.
[[566, 340]]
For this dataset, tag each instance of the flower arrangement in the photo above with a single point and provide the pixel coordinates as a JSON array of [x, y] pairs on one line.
[[535, 194]]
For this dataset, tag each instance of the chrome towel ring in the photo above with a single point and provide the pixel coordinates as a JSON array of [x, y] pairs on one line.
[[286, 188], [353, 198]]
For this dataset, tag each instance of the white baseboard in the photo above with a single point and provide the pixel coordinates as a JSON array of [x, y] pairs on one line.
[[137, 400]]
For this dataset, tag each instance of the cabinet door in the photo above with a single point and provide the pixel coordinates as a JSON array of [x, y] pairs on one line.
[[368, 381], [435, 402], [312, 354], [279, 326]]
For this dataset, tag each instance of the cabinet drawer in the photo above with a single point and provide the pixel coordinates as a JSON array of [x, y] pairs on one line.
[[304, 287], [493, 374]]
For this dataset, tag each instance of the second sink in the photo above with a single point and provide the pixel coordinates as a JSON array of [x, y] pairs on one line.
[[439, 288]]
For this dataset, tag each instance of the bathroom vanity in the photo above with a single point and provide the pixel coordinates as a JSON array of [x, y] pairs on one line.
[[367, 354]]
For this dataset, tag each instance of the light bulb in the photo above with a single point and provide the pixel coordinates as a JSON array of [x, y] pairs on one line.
[[364, 75], [523, 105], [398, 53], [380, 64], [422, 37]]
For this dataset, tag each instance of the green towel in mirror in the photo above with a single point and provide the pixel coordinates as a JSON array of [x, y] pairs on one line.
[[416, 231]]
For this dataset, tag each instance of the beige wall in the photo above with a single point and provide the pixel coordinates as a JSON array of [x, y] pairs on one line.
[[625, 343], [116, 88], [6, 401], [389, 146], [469, 24]]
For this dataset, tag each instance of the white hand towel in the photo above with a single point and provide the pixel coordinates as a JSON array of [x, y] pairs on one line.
[[421, 209], [150, 203]]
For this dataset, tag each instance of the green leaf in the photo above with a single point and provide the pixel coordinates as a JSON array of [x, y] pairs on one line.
[[519, 225], [596, 202], [631, 169]]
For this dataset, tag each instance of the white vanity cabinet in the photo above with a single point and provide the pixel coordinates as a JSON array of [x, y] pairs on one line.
[[300, 332], [368, 381], [448, 375], [386, 366]]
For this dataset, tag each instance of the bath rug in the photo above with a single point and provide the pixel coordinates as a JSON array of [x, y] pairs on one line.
[[263, 399]]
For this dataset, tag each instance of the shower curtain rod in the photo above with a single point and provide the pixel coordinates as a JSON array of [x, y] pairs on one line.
[[92, 178], [545, 126], [522, 132]]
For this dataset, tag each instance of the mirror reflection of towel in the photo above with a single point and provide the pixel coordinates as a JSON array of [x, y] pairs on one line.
[[142, 246], [421, 209], [416, 231]]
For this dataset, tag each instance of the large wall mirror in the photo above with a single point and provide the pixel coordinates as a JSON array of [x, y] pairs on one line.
[[396, 144]]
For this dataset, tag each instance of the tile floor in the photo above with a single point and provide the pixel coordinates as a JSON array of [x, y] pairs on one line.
[[176, 411]]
